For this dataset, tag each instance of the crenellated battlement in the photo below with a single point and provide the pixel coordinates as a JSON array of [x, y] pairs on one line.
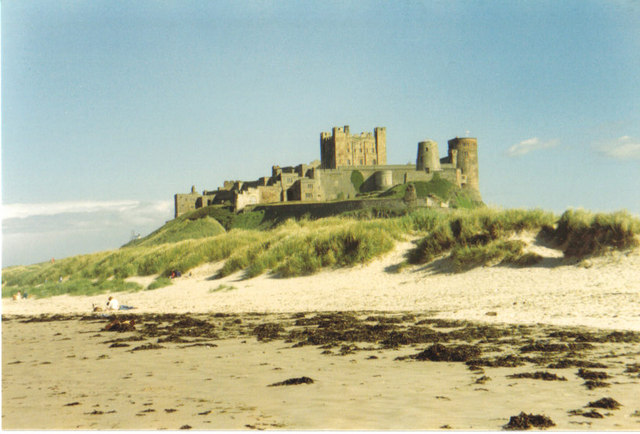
[[345, 158]]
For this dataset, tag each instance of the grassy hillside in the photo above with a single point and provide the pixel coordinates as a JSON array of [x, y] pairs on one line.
[[297, 247], [438, 187], [179, 229]]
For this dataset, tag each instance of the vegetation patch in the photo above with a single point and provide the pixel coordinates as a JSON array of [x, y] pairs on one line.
[[582, 233], [441, 353], [293, 382], [608, 403], [160, 282], [539, 375], [525, 421], [357, 179]]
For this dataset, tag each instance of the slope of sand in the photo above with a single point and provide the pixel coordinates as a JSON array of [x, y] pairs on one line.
[[67, 372], [602, 292]]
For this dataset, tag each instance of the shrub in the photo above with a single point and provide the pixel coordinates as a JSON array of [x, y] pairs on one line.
[[357, 179]]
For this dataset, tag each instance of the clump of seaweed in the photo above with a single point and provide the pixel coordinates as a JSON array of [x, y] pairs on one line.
[[594, 384], [575, 363], [293, 382], [539, 375], [608, 403], [268, 331], [454, 353], [525, 421], [147, 347], [592, 375], [593, 414]]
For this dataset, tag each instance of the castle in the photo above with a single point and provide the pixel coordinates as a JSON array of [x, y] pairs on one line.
[[349, 165]]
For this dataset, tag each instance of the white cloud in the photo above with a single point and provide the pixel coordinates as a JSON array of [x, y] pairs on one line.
[[624, 148], [34, 232], [24, 210], [528, 145]]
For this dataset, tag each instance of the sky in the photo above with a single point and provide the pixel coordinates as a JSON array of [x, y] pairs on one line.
[[111, 107]]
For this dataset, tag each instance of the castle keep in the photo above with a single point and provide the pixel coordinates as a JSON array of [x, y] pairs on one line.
[[349, 165]]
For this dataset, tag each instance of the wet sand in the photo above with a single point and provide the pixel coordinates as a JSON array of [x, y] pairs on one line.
[[369, 370]]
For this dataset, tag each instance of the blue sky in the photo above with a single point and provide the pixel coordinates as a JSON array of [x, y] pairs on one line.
[[111, 107]]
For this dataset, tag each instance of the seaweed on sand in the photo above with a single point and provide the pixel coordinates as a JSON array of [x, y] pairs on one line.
[[539, 375], [293, 382], [268, 331], [455, 353], [592, 375], [525, 421], [608, 403]]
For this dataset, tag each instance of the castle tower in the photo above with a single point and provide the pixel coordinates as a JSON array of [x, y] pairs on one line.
[[340, 148], [428, 157], [380, 134], [466, 159]]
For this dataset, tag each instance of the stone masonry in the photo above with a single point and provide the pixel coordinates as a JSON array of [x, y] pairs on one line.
[[350, 164]]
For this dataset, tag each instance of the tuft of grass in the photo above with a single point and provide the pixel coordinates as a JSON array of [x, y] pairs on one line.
[[80, 286], [476, 237], [222, 288], [582, 233], [160, 282], [504, 252]]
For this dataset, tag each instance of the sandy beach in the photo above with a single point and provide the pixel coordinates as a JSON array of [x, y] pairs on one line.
[[371, 346]]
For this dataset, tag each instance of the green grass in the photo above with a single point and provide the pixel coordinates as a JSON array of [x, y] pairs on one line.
[[503, 252], [357, 179], [160, 282], [80, 286], [583, 233], [179, 229], [304, 246], [222, 288]]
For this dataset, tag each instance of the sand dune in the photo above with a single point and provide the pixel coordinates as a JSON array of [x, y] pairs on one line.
[[602, 292]]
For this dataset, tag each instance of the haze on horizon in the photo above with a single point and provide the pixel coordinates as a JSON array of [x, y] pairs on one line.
[[111, 107]]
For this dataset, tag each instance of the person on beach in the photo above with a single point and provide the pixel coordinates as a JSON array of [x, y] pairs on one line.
[[113, 304]]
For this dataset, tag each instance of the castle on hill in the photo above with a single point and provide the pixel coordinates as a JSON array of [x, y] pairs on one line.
[[349, 164]]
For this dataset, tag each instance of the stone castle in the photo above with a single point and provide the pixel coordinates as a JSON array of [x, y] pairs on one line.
[[349, 165]]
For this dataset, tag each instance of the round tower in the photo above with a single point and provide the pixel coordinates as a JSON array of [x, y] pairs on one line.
[[384, 179], [467, 159], [428, 157]]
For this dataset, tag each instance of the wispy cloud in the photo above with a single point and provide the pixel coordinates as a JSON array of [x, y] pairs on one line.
[[24, 210], [37, 232], [529, 145], [81, 215], [623, 148]]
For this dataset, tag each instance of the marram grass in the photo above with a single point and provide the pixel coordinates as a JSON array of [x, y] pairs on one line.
[[299, 247]]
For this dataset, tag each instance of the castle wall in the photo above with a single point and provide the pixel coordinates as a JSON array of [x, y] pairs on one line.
[[186, 202], [331, 178]]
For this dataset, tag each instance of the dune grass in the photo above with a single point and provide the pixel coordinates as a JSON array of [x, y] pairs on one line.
[[478, 237], [179, 229], [583, 233], [300, 247], [470, 233], [160, 282], [80, 286]]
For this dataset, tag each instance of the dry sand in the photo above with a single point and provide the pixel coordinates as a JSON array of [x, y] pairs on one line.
[[64, 373], [602, 292]]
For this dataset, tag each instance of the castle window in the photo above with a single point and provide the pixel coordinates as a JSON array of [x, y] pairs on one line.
[[374, 161], [361, 162], [348, 162]]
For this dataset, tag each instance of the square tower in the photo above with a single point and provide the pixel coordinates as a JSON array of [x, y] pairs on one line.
[[342, 149]]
